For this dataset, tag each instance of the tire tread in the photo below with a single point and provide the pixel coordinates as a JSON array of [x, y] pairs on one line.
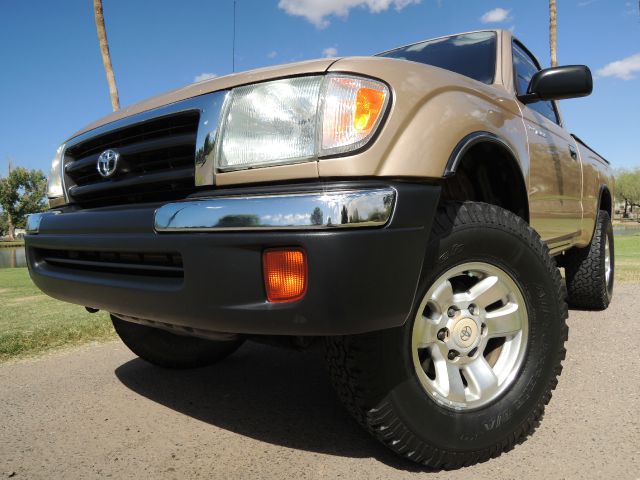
[[584, 268], [382, 421]]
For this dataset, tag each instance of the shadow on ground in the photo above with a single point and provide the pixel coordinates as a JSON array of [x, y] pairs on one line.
[[273, 395]]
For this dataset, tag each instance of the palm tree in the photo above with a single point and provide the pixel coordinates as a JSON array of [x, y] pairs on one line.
[[553, 25], [106, 57]]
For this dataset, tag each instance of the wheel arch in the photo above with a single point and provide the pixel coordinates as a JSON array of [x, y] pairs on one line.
[[488, 158], [605, 200]]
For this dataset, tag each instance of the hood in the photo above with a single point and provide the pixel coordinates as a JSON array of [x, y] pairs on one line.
[[208, 86]]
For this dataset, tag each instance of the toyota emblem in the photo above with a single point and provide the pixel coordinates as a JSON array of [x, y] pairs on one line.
[[108, 163], [465, 333]]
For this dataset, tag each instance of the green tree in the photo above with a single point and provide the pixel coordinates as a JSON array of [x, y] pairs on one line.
[[317, 216], [245, 220], [3, 224], [22, 192], [628, 188]]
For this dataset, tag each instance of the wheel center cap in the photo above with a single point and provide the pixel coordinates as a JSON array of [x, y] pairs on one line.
[[465, 333]]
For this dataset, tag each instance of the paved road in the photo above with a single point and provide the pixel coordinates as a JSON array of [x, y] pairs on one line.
[[267, 413]]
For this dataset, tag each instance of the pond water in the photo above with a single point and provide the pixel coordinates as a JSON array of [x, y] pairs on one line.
[[626, 229], [12, 257]]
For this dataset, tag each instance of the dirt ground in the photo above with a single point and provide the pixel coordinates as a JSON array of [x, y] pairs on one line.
[[99, 412]]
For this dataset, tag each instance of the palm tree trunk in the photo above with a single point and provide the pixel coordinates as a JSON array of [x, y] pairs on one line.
[[106, 57], [553, 26]]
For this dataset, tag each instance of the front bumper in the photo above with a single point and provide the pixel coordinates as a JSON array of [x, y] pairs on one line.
[[359, 279]]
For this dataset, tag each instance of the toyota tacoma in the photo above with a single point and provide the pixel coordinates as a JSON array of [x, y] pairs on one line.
[[415, 209]]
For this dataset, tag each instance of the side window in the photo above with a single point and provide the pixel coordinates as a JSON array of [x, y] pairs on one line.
[[525, 68]]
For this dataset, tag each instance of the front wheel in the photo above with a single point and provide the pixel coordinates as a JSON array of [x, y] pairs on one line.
[[469, 375], [169, 350]]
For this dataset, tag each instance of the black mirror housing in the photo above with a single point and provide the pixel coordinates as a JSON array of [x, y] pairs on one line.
[[559, 83]]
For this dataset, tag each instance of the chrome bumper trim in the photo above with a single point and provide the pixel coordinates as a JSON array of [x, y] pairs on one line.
[[34, 219], [298, 211]]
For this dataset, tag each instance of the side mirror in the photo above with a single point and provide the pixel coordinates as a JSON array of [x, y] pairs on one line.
[[559, 83]]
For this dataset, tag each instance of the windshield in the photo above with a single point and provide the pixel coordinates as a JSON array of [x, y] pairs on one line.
[[470, 54]]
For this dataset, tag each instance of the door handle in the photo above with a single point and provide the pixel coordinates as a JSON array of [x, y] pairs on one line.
[[573, 152]]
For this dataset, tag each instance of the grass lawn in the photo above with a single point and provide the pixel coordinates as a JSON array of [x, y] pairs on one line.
[[627, 252], [31, 322]]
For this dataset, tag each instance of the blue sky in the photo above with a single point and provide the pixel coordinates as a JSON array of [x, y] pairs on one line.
[[52, 80]]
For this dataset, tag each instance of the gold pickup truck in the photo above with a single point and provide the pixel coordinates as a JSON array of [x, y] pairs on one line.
[[412, 208]]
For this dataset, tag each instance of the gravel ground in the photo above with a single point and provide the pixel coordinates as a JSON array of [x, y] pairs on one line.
[[268, 413]]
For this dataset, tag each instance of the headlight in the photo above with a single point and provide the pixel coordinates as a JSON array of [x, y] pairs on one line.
[[54, 184], [299, 119], [273, 122]]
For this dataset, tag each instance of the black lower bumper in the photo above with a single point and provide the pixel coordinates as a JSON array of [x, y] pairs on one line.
[[359, 279]]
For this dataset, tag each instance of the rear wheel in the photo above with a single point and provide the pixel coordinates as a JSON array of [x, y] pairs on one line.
[[589, 271], [468, 376], [168, 350]]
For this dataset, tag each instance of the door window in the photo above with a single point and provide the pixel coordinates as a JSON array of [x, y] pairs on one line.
[[525, 68]]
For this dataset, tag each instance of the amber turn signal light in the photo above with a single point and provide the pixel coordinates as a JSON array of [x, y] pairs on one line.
[[285, 274], [369, 103]]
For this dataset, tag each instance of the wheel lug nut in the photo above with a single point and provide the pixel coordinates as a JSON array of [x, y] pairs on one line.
[[483, 329], [452, 354], [472, 309], [442, 334], [451, 312]]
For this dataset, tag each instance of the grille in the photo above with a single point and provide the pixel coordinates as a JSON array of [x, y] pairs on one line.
[[126, 263], [156, 163]]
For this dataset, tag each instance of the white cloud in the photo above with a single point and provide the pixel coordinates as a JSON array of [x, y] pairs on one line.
[[272, 54], [330, 52], [316, 11], [497, 15], [204, 76], [624, 69], [285, 219]]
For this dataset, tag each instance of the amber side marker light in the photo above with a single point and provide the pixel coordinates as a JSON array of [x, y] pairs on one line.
[[369, 103], [285, 274]]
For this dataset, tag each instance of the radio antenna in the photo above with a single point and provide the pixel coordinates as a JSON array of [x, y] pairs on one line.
[[233, 47]]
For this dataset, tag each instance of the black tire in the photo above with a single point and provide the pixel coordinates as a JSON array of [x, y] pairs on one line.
[[585, 272], [375, 377], [169, 350]]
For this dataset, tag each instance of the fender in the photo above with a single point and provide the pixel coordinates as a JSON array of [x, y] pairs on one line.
[[469, 141]]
